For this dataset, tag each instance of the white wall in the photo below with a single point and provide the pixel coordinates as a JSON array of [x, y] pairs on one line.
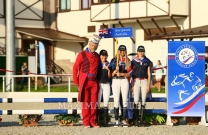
[[29, 23], [179, 7], [2, 28], [129, 9], [2, 41], [199, 13], [76, 22], [66, 50]]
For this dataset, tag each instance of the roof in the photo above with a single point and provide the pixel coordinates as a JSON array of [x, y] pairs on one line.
[[197, 32], [50, 34]]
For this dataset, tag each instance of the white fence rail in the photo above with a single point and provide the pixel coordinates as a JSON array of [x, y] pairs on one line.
[[11, 83], [48, 80]]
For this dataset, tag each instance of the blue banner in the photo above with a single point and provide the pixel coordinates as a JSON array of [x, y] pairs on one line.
[[115, 32], [42, 59], [186, 78]]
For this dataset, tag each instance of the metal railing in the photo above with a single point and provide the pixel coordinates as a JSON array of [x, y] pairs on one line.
[[12, 77], [2, 50], [52, 67]]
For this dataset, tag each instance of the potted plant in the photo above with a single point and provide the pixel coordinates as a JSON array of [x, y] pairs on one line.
[[154, 119], [67, 119], [29, 119], [151, 119], [192, 120]]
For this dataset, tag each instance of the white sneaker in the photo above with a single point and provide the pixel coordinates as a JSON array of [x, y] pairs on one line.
[[124, 125], [116, 125]]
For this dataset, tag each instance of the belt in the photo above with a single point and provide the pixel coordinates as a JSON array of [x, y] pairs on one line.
[[104, 82], [91, 79], [91, 75], [140, 78], [119, 77]]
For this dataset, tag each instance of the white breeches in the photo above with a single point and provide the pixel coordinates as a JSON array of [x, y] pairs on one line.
[[105, 92], [140, 87], [120, 85]]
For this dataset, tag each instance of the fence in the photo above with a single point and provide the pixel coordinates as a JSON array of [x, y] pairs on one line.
[[29, 80], [58, 97], [36, 76]]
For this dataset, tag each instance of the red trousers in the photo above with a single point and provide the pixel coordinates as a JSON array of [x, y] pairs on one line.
[[89, 96]]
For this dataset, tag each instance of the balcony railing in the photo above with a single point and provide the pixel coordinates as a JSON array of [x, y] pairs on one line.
[[111, 1], [114, 10]]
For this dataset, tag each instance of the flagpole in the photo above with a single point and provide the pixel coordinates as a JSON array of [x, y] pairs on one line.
[[117, 51]]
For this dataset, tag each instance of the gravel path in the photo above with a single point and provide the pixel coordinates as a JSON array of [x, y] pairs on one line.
[[10, 126]]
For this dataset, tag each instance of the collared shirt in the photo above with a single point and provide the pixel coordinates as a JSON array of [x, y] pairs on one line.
[[140, 66]]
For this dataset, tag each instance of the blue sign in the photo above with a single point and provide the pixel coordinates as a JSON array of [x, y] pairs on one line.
[[186, 76], [42, 59], [116, 32]]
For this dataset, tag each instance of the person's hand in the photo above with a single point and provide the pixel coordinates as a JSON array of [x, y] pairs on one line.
[[106, 67], [118, 74], [77, 85], [148, 89], [132, 89], [117, 68]]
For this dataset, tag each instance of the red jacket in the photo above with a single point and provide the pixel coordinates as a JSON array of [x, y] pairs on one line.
[[86, 63]]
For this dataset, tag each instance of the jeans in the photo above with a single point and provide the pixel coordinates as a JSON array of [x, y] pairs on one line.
[[24, 79]]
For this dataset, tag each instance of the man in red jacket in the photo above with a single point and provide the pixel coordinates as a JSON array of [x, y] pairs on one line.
[[85, 77]]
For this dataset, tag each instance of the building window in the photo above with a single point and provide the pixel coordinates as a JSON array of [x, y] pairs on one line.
[[86, 4], [65, 5], [91, 29]]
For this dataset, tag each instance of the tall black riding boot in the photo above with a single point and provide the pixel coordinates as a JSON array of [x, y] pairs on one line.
[[124, 117], [136, 115], [116, 113], [142, 115], [97, 116], [105, 117]]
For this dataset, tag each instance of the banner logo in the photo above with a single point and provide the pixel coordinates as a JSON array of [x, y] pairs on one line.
[[186, 56]]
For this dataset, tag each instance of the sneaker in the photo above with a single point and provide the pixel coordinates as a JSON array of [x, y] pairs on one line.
[[116, 125], [124, 125], [158, 90]]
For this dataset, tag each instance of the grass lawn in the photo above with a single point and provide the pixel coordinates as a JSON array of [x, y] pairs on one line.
[[65, 89], [44, 89]]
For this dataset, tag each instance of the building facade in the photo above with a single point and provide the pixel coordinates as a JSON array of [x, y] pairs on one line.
[[146, 17], [65, 25], [36, 20]]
